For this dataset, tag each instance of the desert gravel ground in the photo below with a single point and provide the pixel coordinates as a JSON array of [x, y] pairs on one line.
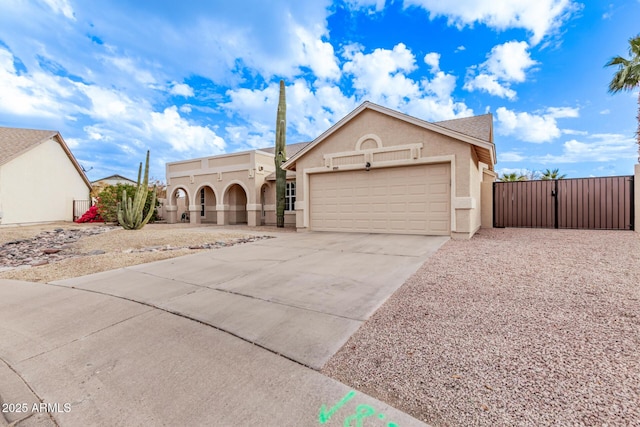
[[120, 246], [514, 327]]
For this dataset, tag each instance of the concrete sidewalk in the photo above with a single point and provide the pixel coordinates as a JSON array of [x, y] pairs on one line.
[[301, 295], [95, 359]]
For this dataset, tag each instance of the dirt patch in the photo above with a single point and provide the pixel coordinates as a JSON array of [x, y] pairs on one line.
[[514, 327]]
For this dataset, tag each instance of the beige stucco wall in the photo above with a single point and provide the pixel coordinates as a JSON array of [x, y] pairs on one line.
[[392, 132], [486, 198], [40, 186]]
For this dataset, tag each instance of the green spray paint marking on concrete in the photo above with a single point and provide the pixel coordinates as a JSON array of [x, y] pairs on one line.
[[362, 412], [324, 415]]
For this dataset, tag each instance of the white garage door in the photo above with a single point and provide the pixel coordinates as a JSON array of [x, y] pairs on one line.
[[404, 200]]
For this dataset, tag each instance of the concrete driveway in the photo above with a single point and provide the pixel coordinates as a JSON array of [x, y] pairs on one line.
[[122, 347], [300, 295]]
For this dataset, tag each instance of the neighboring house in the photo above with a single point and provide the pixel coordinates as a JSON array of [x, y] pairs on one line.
[[39, 177], [113, 180], [376, 170], [99, 184]]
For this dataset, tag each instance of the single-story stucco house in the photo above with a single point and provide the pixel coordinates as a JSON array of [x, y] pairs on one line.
[[376, 170], [39, 177]]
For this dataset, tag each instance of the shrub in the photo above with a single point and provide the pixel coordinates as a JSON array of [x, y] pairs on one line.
[[111, 195]]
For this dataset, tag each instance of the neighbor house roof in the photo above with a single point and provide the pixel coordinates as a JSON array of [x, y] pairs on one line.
[[16, 141], [292, 149], [124, 178], [477, 131]]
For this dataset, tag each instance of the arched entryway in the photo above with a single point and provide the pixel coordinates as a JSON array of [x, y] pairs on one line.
[[235, 198], [207, 200], [180, 200]]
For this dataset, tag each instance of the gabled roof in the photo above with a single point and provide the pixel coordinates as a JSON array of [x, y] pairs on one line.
[[480, 127], [124, 178], [477, 131], [16, 141]]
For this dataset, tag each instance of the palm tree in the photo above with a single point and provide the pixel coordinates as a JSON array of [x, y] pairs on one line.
[[511, 177], [552, 174], [627, 77]]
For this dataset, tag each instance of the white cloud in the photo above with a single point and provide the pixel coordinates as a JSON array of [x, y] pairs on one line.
[[605, 111], [169, 127], [509, 61], [310, 111], [432, 59], [317, 54], [563, 112], [510, 156], [377, 5], [506, 63], [181, 89], [489, 84], [532, 127], [61, 6], [596, 148], [381, 74], [131, 69], [539, 17], [460, 49], [37, 94]]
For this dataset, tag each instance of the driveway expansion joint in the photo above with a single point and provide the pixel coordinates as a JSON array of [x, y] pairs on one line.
[[184, 316], [17, 422]]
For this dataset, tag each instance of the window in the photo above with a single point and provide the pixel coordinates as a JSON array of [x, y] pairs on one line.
[[202, 202], [290, 196]]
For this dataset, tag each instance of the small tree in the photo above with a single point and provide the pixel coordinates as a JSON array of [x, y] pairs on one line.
[[549, 174], [627, 77], [512, 177]]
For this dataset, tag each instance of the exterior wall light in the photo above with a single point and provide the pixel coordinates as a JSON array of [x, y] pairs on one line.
[[367, 166]]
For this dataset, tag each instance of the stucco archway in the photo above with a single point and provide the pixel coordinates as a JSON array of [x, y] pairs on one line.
[[207, 199], [178, 208], [235, 204]]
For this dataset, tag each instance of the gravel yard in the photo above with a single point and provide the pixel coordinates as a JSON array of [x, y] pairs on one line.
[[116, 247], [514, 327]]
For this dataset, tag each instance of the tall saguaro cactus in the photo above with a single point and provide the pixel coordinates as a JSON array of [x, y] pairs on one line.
[[281, 155], [130, 211]]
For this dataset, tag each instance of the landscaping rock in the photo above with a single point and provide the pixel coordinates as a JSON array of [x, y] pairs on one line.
[[46, 247]]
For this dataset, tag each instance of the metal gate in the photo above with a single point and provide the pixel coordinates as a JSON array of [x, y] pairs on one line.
[[604, 203], [80, 207]]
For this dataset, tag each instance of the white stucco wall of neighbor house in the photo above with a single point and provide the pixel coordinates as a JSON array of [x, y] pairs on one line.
[[40, 186]]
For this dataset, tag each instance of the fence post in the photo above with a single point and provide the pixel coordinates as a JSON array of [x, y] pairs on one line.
[[636, 199]]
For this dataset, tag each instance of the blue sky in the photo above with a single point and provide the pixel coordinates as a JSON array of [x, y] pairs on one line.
[[191, 79]]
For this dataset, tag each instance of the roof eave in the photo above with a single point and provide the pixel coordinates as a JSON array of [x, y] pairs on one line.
[[72, 158]]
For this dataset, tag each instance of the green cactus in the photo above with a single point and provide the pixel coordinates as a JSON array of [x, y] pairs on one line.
[[281, 155], [130, 211]]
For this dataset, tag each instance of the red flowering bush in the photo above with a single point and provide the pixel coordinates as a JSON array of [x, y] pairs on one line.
[[91, 215]]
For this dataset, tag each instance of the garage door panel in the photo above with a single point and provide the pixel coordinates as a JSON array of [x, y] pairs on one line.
[[412, 200]]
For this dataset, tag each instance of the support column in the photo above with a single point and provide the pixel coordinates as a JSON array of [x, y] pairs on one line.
[[254, 213], [221, 212], [172, 214], [194, 214]]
